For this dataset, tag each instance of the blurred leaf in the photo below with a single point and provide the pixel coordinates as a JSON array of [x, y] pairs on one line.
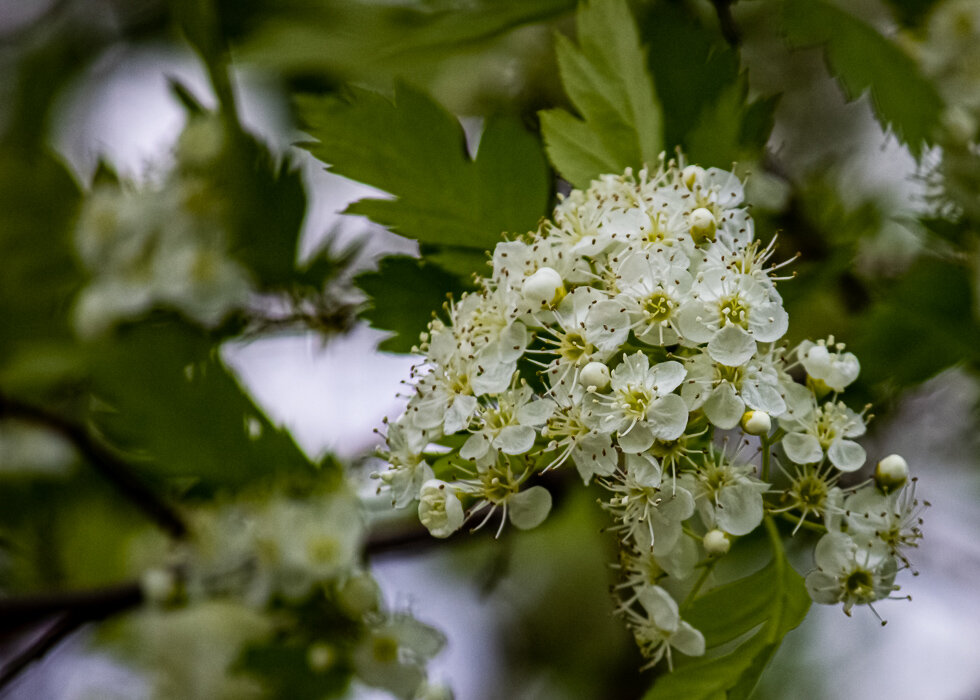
[[403, 294], [416, 151], [606, 79], [774, 598], [864, 60], [368, 40], [269, 203], [172, 403], [37, 207], [692, 68], [921, 324], [463, 262], [286, 673], [911, 13]]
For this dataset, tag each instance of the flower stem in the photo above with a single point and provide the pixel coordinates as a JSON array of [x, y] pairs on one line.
[[689, 599]]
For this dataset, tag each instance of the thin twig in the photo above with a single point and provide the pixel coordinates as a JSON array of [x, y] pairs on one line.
[[729, 30], [115, 470]]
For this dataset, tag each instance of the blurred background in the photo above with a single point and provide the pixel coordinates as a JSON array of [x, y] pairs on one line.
[[887, 235]]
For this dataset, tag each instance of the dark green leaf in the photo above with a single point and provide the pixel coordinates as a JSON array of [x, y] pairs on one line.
[[922, 324], [606, 79], [774, 598], [415, 150], [37, 208], [167, 399], [372, 41], [692, 67], [403, 294], [864, 60]]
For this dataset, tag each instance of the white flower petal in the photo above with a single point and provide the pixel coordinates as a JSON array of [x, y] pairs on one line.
[[846, 455], [731, 346], [528, 509], [802, 448]]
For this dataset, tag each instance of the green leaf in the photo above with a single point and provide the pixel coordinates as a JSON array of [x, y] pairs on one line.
[[403, 294], [167, 399], [416, 151], [730, 130], [606, 79], [40, 278], [285, 671], [692, 67], [269, 203], [359, 40], [773, 599], [864, 60], [920, 325]]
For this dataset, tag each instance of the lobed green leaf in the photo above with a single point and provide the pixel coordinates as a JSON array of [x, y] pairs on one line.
[[773, 599], [606, 79], [865, 61], [415, 150]]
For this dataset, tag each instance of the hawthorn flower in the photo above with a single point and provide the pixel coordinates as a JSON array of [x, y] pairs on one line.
[[658, 627], [730, 312], [393, 653], [825, 431], [727, 497], [652, 287], [850, 573], [439, 508], [893, 519], [650, 515], [507, 423], [640, 407], [407, 468], [828, 367], [724, 393]]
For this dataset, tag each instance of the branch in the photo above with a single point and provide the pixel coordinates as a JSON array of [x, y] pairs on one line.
[[115, 470], [729, 30]]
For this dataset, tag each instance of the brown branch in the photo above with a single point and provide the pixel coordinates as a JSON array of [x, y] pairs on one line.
[[729, 30], [115, 470]]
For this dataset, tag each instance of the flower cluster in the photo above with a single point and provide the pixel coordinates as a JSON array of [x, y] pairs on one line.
[[160, 245], [621, 338], [292, 566]]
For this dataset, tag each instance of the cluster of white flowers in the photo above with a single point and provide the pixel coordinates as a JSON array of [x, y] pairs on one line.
[[272, 554], [159, 245], [621, 337]]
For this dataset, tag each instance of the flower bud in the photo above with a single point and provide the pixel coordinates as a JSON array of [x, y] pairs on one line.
[[439, 508], [756, 423], [159, 586], [595, 376], [703, 225], [359, 595], [320, 657], [543, 288], [716, 543], [891, 473], [691, 174]]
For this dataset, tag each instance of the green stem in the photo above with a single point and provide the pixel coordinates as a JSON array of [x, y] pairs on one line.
[[796, 520], [766, 454], [689, 599]]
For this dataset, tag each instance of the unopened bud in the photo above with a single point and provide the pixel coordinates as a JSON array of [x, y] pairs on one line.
[[320, 657], [360, 594], [158, 585], [544, 288], [691, 174], [756, 423], [595, 376], [703, 225], [891, 473], [716, 543]]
